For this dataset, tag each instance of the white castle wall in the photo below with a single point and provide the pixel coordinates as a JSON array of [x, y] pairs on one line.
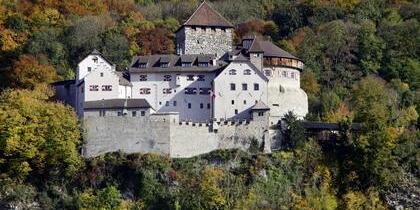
[[165, 134]]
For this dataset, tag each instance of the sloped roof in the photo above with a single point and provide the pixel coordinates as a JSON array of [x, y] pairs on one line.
[[241, 57], [256, 47], [116, 104], [175, 63], [205, 15], [260, 106], [122, 80], [271, 50]]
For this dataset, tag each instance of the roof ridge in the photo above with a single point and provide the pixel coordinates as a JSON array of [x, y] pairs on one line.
[[225, 23]]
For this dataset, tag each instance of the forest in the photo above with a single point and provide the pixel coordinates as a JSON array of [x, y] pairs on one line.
[[362, 64]]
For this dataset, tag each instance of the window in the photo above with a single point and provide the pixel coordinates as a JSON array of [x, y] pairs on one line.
[[95, 59], [142, 113], [244, 101], [167, 78], [190, 77], [167, 103], [247, 72], [260, 114], [119, 114], [174, 103], [164, 65], [89, 69], [244, 86], [213, 29], [190, 91], [267, 73], [201, 78], [203, 64], [102, 74], [284, 73], [236, 111], [186, 64], [205, 91], [256, 86], [133, 113], [144, 91], [142, 65], [208, 106], [233, 102], [167, 90], [93, 87], [232, 72], [106, 87], [143, 77], [201, 105], [232, 86], [102, 113], [189, 105], [292, 75]]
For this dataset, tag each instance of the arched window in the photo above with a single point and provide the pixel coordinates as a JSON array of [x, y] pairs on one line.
[[247, 72], [232, 72]]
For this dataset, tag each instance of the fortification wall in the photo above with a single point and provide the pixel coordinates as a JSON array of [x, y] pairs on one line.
[[126, 134], [164, 134]]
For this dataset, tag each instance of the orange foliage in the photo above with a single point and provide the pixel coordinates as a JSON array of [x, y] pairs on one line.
[[10, 40], [299, 36], [121, 7], [251, 26], [27, 72], [84, 7], [155, 41], [340, 114]]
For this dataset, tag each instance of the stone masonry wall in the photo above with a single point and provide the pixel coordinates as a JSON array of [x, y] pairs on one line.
[[207, 41], [164, 135]]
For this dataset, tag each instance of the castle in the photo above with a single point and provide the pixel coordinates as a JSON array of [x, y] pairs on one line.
[[212, 94]]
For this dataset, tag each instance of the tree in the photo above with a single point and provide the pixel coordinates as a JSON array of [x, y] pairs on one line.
[[371, 47], [155, 41], [37, 136], [27, 72]]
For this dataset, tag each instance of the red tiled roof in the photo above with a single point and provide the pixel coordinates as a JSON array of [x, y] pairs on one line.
[[205, 15]]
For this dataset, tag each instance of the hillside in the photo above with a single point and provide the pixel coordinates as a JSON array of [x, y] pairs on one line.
[[362, 64]]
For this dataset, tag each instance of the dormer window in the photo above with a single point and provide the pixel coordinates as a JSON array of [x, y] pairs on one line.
[[186, 64], [95, 59], [142, 65], [247, 72], [164, 65], [203, 64], [232, 72]]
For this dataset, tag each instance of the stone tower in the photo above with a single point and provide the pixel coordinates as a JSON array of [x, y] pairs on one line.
[[205, 32]]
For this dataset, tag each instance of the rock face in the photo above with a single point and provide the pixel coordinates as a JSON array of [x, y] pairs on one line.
[[406, 195]]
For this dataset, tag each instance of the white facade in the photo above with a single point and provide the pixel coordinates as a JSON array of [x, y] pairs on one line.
[[185, 93], [284, 93], [237, 88], [104, 84]]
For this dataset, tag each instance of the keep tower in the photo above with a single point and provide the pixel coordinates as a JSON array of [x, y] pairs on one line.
[[205, 32]]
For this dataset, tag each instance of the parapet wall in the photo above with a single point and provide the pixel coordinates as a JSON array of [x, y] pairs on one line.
[[164, 134]]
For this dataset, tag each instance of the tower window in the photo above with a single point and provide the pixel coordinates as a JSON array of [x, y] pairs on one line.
[[233, 102], [201, 105], [236, 111], [174, 103], [208, 106], [142, 113], [244, 101], [189, 105], [102, 74], [89, 69]]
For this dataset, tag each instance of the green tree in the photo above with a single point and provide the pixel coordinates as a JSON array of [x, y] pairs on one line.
[[37, 136], [371, 47]]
